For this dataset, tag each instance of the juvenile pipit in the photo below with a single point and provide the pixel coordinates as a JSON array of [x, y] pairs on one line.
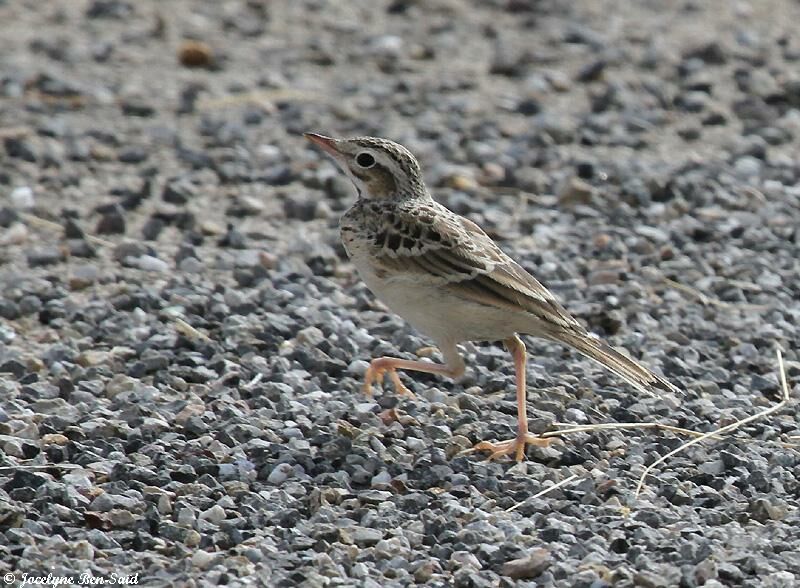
[[449, 280]]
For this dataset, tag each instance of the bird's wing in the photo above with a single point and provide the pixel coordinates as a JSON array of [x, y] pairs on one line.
[[428, 243]]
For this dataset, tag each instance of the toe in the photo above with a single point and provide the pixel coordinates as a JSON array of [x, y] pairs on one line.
[[399, 387], [539, 441], [514, 446]]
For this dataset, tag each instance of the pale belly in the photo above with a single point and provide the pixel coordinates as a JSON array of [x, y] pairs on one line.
[[438, 314]]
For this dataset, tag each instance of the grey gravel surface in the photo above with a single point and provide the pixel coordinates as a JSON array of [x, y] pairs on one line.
[[182, 339]]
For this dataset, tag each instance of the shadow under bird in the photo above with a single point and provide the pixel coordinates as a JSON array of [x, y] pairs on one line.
[[450, 280]]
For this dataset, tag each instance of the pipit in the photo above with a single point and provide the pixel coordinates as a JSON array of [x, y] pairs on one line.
[[449, 280]]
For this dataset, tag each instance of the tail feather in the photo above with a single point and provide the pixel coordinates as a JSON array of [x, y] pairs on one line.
[[626, 368]]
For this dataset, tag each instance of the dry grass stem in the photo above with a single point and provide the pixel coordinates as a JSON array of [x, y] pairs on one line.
[[723, 430], [708, 301], [189, 331], [571, 428], [48, 224], [561, 484]]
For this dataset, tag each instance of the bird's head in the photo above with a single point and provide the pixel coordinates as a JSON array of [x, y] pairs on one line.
[[380, 169]]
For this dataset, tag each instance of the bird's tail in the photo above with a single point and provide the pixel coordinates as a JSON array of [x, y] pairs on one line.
[[626, 368]]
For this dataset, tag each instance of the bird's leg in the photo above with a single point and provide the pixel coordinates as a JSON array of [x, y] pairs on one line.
[[389, 365], [523, 438]]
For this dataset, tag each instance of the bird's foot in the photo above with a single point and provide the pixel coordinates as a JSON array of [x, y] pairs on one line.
[[516, 446], [375, 374]]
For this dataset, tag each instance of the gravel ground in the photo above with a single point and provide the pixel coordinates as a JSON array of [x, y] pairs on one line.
[[182, 338]]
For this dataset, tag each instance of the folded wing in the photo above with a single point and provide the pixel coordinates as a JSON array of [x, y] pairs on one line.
[[452, 252]]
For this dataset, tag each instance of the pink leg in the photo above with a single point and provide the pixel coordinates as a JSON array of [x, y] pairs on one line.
[[389, 365], [523, 438]]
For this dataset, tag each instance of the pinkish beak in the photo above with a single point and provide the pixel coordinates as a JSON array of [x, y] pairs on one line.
[[327, 144]]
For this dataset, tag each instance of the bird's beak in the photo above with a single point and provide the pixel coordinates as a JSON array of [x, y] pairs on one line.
[[328, 144]]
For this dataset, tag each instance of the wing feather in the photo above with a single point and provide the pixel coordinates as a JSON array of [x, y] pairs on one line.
[[455, 254]]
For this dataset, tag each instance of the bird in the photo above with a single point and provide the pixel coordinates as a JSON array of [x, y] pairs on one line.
[[450, 281]]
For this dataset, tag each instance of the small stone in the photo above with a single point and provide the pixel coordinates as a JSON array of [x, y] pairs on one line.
[[366, 537], [250, 206], [528, 567], [203, 559], [136, 106], [152, 228], [132, 154], [191, 265], [15, 234], [300, 207], [164, 505], [195, 54], [649, 580], [747, 167], [211, 227], [45, 256], [112, 222], [574, 192], [764, 510], [269, 154], [130, 249], [29, 431], [178, 192], [387, 46], [280, 474], [192, 538], [152, 264], [233, 238], [84, 550], [310, 336], [215, 514], [22, 198], [461, 559], [529, 106], [83, 276], [186, 517], [381, 480], [54, 439], [19, 148], [121, 518], [113, 9], [425, 571], [92, 357], [102, 503]]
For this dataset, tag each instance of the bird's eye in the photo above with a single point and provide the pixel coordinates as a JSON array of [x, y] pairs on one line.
[[365, 160]]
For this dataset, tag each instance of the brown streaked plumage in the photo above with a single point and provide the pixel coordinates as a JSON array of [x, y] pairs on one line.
[[447, 278]]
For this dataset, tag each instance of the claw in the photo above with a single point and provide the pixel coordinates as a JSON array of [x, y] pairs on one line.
[[376, 374], [516, 446]]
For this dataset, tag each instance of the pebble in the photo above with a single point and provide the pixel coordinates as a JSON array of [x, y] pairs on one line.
[[214, 515], [45, 256], [22, 198], [366, 537], [280, 474], [111, 223], [203, 559], [747, 167], [528, 567], [83, 276], [150, 263]]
